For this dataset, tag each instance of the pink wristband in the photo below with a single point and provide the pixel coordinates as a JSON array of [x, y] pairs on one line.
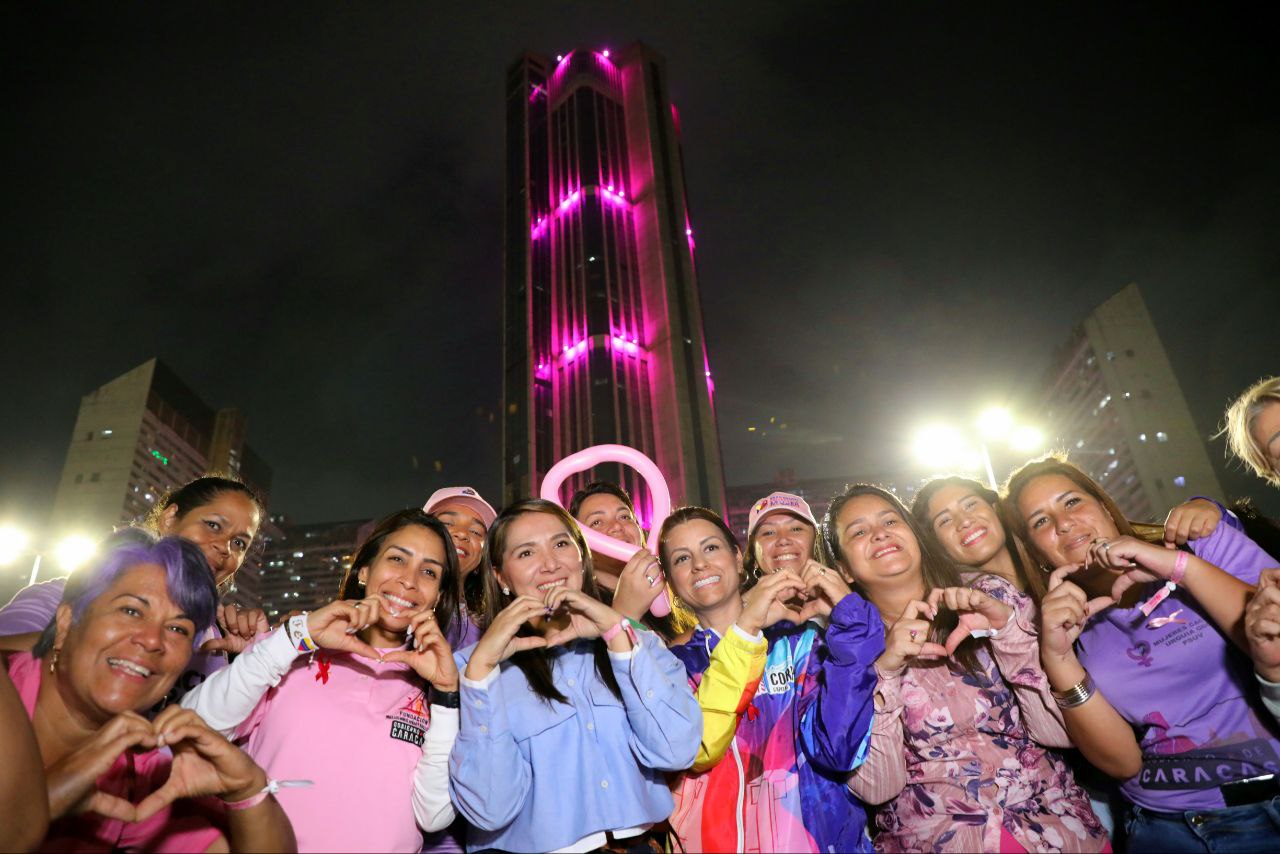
[[271, 788], [1175, 578], [624, 625]]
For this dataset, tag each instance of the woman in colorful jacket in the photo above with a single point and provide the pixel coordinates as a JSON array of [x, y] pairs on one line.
[[571, 719], [956, 755], [786, 705]]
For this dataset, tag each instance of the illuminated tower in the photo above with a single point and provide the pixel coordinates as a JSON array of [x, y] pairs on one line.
[[603, 339]]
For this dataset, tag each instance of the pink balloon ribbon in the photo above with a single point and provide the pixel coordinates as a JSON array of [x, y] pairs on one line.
[[602, 543]]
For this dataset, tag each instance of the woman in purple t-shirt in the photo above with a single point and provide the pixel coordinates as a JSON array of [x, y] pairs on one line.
[[1141, 643]]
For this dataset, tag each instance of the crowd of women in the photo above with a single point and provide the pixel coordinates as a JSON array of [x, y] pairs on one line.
[[1022, 671]]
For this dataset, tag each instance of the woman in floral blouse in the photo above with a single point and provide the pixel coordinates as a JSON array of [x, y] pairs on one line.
[[955, 755]]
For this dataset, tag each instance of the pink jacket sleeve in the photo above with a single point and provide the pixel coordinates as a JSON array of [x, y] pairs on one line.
[[883, 774]]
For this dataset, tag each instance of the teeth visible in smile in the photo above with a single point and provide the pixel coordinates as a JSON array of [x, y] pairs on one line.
[[461, 553], [398, 602], [550, 584], [971, 537], [703, 582], [884, 551], [788, 556], [129, 667]]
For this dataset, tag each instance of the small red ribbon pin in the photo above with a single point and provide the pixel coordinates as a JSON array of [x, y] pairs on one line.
[[322, 675]]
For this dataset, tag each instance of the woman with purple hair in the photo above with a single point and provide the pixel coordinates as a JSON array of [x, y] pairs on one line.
[[121, 635]]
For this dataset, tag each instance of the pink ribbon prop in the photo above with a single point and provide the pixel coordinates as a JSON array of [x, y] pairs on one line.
[[647, 469]]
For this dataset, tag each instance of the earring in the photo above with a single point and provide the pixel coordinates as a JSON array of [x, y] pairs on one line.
[[53, 662], [506, 591]]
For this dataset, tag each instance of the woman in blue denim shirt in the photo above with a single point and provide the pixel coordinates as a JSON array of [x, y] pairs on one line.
[[570, 717]]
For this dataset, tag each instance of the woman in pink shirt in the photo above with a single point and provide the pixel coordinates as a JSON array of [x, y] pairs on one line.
[[954, 756], [123, 633], [335, 697]]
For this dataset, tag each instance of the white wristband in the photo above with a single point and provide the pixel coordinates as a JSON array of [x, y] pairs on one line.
[[300, 634]]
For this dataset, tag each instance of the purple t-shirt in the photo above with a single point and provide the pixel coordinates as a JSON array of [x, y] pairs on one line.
[[1189, 692], [31, 609]]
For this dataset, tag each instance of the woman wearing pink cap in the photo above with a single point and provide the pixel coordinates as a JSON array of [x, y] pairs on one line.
[[468, 517], [335, 696]]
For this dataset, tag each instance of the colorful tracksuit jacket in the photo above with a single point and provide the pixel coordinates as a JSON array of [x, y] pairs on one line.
[[786, 718]]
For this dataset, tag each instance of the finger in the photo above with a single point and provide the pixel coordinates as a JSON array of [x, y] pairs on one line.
[[915, 607], [1059, 576], [110, 806], [227, 643], [1121, 584], [1269, 578], [1095, 606], [358, 647], [371, 613], [244, 621], [929, 649], [222, 615], [953, 597], [167, 714], [156, 801], [1266, 629], [934, 597]]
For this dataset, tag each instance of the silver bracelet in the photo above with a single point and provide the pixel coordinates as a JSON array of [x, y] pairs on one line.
[[1077, 695]]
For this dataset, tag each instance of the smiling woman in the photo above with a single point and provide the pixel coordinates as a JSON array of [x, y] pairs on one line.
[[355, 715], [121, 636]]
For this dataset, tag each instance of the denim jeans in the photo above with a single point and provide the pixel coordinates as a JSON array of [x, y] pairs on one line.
[[1247, 828]]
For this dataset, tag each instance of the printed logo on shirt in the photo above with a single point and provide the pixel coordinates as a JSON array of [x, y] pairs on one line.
[[411, 721], [1141, 653], [778, 678], [1209, 767]]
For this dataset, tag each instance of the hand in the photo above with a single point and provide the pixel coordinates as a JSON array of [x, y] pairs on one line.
[[431, 658], [335, 625], [909, 638], [639, 584], [1138, 560], [1262, 626], [72, 780], [499, 642], [204, 763], [977, 612], [1063, 612], [240, 627], [825, 587], [588, 617], [765, 604], [1191, 520]]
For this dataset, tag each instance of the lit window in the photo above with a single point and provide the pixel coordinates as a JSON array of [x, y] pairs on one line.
[[1111, 465], [1111, 356], [1142, 437], [1105, 401], [1079, 443], [1162, 436], [1179, 481], [297, 554]]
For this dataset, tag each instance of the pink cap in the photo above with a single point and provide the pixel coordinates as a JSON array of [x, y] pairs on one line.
[[467, 497], [780, 501]]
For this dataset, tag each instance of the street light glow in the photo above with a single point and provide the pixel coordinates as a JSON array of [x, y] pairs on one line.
[[995, 422], [1026, 439], [13, 542], [74, 551], [942, 447]]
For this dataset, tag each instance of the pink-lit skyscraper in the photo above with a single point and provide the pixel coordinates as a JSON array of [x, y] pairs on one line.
[[603, 339]]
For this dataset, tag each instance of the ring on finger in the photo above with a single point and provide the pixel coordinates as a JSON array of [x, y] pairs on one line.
[[913, 634]]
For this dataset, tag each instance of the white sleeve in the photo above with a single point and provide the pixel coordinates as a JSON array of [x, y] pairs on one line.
[[227, 698], [431, 805]]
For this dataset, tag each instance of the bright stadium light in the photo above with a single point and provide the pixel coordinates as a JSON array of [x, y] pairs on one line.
[[1026, 439], [941, 446], [995, 422], [74, 551], [13, 542]]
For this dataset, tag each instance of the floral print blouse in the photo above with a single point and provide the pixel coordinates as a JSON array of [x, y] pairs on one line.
[[953, 753]]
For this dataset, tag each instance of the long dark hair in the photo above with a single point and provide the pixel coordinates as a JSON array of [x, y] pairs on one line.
[[535, 663], [446, 607], [1032, 579], [936, 567], [197, 493]]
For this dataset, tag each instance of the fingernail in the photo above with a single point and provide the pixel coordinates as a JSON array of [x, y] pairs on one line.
[[351, 631]]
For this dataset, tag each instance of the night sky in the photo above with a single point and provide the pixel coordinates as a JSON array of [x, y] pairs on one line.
[[901, 209]]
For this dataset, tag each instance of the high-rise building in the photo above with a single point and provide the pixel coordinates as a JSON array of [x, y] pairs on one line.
[[1117, 408], [603, 336], [138, 436], [303, 566]]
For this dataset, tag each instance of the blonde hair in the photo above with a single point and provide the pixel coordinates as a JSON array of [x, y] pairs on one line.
[[1239, 423]]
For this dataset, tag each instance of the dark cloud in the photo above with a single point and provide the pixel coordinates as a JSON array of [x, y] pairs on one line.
[[900, 209]]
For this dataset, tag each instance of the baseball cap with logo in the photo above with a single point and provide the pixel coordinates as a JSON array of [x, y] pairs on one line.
[[467, 497], [780, 502]]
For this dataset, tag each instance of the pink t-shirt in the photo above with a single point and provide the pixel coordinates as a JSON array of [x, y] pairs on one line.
[[355, 728], [132, 777]]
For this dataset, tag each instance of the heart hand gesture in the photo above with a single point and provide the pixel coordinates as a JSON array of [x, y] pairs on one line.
[[909, 638], [240, 627], [1063, 612], [336, 625], [204, 763], [977, 612], [766, 602], [588, 618], [500, 641], [72, 780], [825, 586], [431, 658]]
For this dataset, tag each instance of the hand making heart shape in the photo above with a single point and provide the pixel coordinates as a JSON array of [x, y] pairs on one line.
[[204, 763], [979, 615]]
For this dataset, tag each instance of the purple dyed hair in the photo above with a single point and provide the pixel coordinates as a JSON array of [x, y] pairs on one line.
[[190, 583]]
